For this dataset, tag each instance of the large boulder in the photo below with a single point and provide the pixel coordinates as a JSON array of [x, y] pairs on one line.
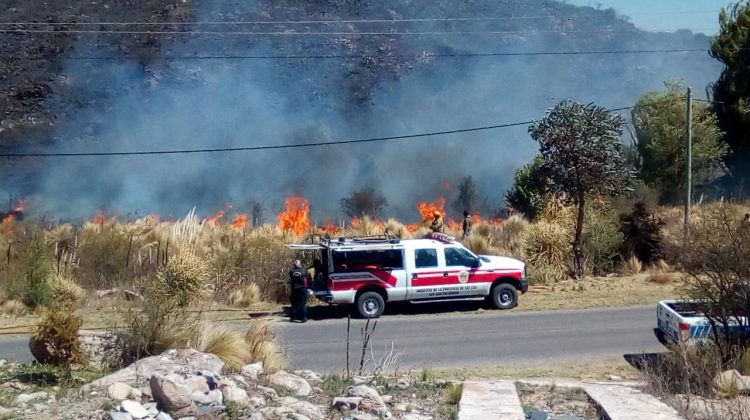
[[119, 391], [371, 400], [293, 383], [176, 361], [731, 380], [170, 394]]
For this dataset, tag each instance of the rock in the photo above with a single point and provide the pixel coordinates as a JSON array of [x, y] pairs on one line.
[[257, 402], [5, 412], [731, 379], [3, 362], [253, 370], [240, 379], [614, 377], [152, 411], [197, 383], [118, 415], [39, 407], [269, 392], [237, 395], [27, 398], [146, 392], [214, 397], [149, 405], [361, 380], [256, 416], [225, 383], [291, 382], [163, 416], [135, 394], [295, 416], [108, 292], [310, 376], [415, 417], [386, 398], [102, 349], [170, 395], [134, 408], [182, 361], [274, 412], [371, 400], [308, 409], [364, 416], [131, 295], [400, 408], [348, 403], [119, 391]]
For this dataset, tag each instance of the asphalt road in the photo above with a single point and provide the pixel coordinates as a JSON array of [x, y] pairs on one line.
[[452, 340]]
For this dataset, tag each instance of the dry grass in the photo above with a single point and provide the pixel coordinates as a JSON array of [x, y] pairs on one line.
[[229, 345], [580, 370], [246, 296], [632, 266], [661, 266], [14, 308], [548, 251], [660, 278], [262, 346], [480, 245]]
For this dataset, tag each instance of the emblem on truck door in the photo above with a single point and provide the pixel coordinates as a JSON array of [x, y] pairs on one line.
[[463, 276]]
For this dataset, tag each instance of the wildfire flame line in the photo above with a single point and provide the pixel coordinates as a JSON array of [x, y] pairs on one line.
[[296, 215]]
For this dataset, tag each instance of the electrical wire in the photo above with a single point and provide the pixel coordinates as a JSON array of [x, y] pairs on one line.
[[280, 146]]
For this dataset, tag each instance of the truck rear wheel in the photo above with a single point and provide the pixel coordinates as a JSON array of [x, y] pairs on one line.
[[370, 305], [503, 296]]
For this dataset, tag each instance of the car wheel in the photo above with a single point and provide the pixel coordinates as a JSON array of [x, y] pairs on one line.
[[504, 296], [370, 305]]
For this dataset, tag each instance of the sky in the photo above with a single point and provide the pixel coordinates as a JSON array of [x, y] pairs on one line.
[[666, 15]]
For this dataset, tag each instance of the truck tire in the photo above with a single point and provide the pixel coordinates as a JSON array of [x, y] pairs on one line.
[[370, 305], [503, 296]]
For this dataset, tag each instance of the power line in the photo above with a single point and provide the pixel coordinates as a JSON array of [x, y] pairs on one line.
[[280, 146], [348, 21], [307, 33], [352, 56]]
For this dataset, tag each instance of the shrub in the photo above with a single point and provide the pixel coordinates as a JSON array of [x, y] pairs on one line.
[[245, 296], [480, 245], [103, 251], [632, 266], [13, 308], [182, 278], [511, 236], [262, 347], [229, 345], [659, 278], [548, 251], [55, 337], [685, 370], [642, 234], [602, 239], [64, 289]]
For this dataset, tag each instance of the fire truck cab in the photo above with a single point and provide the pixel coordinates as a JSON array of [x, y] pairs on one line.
[[370, 271]]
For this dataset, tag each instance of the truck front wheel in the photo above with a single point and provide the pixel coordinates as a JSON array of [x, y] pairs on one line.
[[370, 305], [503, 296]]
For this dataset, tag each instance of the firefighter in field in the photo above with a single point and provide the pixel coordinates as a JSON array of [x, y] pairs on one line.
[[299, 282], [466, 225], [437, 222]]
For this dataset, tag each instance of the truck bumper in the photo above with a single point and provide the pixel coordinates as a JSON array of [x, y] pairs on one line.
[[524, 285]]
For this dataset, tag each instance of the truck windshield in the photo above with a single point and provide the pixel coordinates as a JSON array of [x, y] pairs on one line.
[[385, 259], [458, 257]]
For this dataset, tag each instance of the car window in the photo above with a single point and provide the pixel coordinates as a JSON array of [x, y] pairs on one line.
[[426, 257], [382, 259], [458, 257]]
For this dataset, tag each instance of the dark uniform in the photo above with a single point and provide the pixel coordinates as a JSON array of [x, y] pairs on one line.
[[467, 225], [298, 299], [437, 224]]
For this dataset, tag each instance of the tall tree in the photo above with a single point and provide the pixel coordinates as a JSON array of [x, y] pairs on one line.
[[660, 121], [732, 91], [581, 150], [467, 196], [530, 189], [366, 201]]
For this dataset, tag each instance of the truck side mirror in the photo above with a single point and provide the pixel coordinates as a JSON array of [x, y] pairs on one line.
[[476, 263]]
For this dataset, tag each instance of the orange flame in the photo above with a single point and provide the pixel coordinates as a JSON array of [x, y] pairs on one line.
[[454, 225], [219, 214], [154, 218], [356, 222], [428, 209], [99, 218], [330, 228], [295, 217], [10, 217], [240, 221], [412, 227]]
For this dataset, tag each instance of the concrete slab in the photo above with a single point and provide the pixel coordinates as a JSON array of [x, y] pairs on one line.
[[490, 400], [626, 403]]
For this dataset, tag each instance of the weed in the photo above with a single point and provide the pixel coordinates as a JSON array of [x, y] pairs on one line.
[[55, 338], [262, 346], [453, 393], [232, 409], [632, 266], [64, 289], [230, 346], [334, 385], [13, 308], [245, 296], [659, 278], [426, 375]]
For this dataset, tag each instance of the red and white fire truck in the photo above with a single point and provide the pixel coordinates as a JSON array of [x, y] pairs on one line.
[[370, 271]]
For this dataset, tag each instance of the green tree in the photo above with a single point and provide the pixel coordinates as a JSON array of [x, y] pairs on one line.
[[467, 196], [530, 189], [660, 119], [581, 151], [732, 90]]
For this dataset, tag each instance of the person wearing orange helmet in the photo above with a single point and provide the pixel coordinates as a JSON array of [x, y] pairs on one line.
[[437, 222]]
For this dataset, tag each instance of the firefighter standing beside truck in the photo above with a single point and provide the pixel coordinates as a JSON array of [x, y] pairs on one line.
[[298, 299]]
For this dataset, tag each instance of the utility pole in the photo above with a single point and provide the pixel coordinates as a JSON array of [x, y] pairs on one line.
[[689, 171]]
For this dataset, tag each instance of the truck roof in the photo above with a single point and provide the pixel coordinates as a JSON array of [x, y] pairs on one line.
[[374, 242]]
